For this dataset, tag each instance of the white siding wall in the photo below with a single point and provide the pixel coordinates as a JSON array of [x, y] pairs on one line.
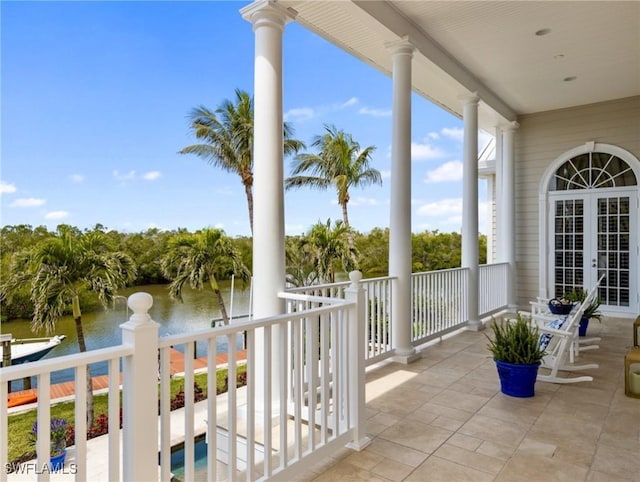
[[541, 138]]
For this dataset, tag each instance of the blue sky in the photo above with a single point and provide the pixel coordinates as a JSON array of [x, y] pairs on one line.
[[95, 98]]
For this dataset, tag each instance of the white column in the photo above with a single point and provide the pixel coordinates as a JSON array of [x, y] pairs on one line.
[[140, 392], [508, 218], [470, 206], [400, 221], [268, 21]]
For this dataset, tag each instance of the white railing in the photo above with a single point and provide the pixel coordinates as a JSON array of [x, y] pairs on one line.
[[377, 312], [42, 371], [493, 283], [438, 303], [261, 431]]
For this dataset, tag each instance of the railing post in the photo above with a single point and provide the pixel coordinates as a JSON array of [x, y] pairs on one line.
[[355, 292], [140, 393]]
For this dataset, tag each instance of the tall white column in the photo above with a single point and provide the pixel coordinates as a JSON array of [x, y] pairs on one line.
[[400, 222], [470, 206], [268, 21], [508, 218]]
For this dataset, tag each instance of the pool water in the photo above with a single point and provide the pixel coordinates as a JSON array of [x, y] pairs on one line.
[[200, 466]]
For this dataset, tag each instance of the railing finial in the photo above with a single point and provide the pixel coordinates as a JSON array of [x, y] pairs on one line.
[[355, 277], [140, 303]]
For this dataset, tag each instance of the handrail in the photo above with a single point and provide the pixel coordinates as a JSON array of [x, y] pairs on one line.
[[49, 365]]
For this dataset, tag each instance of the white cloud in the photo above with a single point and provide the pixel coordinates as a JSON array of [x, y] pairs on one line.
[[385, 173], [27, 202], [121, 176], [433, 135], [299, 114], [151, 175], [349, 103], [374, 112], [77, 177], [449, 171], [424, 152], [449, 212], [6, 188], [454, 133], [56, 215], [363, 201], [443, 207]]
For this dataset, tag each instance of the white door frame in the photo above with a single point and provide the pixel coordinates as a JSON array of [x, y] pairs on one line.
[[545, 201]]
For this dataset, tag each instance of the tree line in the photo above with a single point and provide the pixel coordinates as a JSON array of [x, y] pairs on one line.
[[319, 255]]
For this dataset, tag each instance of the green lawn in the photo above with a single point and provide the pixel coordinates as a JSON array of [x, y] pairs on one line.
[[21, 444]]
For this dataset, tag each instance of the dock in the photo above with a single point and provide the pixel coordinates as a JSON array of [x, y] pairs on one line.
[[101, 382]]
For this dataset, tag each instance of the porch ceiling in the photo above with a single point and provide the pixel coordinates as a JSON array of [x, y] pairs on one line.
[[492, 48]]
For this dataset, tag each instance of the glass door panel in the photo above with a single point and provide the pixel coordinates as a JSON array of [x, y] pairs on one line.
[[613, 255], [569, 244]]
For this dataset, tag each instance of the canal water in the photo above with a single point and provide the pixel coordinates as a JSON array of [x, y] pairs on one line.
[[102, 328]]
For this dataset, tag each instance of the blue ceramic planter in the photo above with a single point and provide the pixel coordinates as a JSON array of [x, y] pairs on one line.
[[582, 327], [517, 380], [57, 462]]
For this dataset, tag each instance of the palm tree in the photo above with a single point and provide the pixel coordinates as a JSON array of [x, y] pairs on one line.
[[301, 268], [329, 248], [340, 162], [200, 258], [59, 268], [227, 140]]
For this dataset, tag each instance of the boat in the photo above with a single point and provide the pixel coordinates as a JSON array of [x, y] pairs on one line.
[[32, 349]]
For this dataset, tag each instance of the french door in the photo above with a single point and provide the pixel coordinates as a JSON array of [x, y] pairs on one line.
[[594, 234]]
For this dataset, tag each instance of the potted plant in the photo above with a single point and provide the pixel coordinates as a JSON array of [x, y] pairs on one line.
[[591, 311], [58, 442], [516, 350]]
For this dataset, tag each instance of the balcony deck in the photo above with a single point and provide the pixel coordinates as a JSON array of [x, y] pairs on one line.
[[443, 418]]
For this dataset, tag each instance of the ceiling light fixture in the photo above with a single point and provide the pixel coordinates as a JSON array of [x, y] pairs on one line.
[[570, 78], [543, 31]]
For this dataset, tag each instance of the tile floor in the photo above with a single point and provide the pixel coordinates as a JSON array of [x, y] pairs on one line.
[[443, 418]]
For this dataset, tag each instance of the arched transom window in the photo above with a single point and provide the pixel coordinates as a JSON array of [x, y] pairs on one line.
[[593, 170]]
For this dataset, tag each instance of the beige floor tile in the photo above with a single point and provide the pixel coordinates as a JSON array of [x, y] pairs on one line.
[[397, 453], [618, 462], [364, 459], [490, 429], [496, 450], [469, 458], [533, 447], [444, 411], [392, 470], [435, 469], [416, 435], [348, 473], [461, 401], [447, 423], [535, 468], [464, 441], [595, 476]]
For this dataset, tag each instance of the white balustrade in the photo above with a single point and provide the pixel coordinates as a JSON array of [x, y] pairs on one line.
[[377, 311], [494, 288], [439, 303]]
